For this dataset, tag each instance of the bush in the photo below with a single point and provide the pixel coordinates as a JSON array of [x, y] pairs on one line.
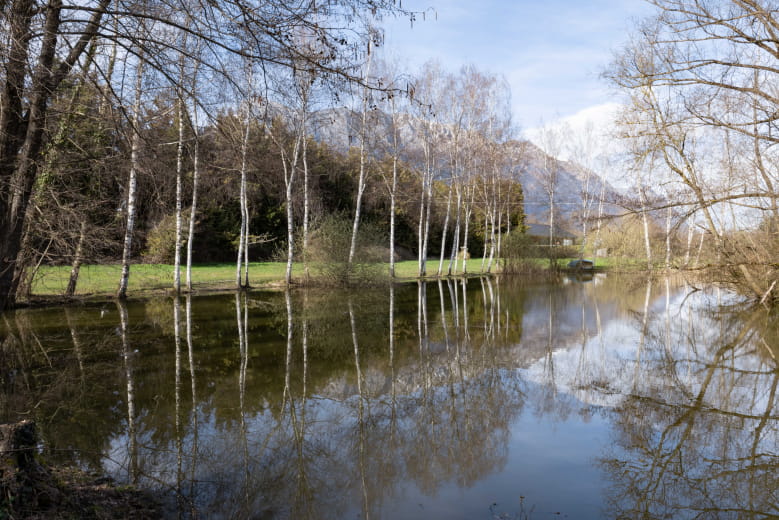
[[161, 240], [517, 251], [328, 251]]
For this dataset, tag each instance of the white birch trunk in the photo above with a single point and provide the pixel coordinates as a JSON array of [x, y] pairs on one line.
[[494, 240], [551, 229], [193, 207], [456, 236], [690, 232], [668, 238], [596, 242], [132, 183], [242, 201], [290, 226], [446, 228], [421, 227], [290, 170], [361, 180], [179, 168], [645, 221], [393, 187], [467, 218], [306, 202], [393, 204], [700, 248], [486, 238]]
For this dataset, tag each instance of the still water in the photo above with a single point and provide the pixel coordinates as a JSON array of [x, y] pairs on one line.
[[611, 397]]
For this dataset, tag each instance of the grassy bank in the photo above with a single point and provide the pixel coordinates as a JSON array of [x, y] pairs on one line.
[[102, 280]]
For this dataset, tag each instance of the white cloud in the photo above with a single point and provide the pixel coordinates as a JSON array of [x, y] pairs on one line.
[[595, 126]]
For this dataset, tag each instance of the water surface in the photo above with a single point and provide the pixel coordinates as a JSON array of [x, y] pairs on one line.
[[603, 398]]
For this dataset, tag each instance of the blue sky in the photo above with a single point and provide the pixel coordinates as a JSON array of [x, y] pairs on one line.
[[550, 51]]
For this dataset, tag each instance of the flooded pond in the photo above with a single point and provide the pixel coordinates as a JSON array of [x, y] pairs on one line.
[[605, 398]]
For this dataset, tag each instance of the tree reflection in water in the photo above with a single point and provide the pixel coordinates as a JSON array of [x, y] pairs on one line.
[[698, 436], [314, 404]]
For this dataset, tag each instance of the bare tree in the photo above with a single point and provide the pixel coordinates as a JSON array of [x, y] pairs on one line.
[[706, 71], [550, 172]]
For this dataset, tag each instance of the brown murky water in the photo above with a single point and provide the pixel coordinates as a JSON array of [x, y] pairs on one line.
[[611, 397]]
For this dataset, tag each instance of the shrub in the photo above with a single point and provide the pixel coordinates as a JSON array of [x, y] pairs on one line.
[[161, 240], [328, 251]]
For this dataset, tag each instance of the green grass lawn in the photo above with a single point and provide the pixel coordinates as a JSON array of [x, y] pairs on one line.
[[102, 280]]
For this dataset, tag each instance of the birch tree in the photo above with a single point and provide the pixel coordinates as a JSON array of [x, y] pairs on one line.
[[363, 135], [132, 181], [193, 120], [393, 81]]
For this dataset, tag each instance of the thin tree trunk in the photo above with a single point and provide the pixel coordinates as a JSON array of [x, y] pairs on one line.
[[77, 259], [668, 238], [290, 220], [246, 237], [467, 218], [690, 233], [645, 221], [700, 248], [486, 238], [132, 183], [179, 169], [596, 242], [427, 220], [495, 240], [306, 202], [393, 204], [193, 208], [242, 196], [456, 237], [361, 180], [551, 231], [290, 171], [421, 227], [446, 228]]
